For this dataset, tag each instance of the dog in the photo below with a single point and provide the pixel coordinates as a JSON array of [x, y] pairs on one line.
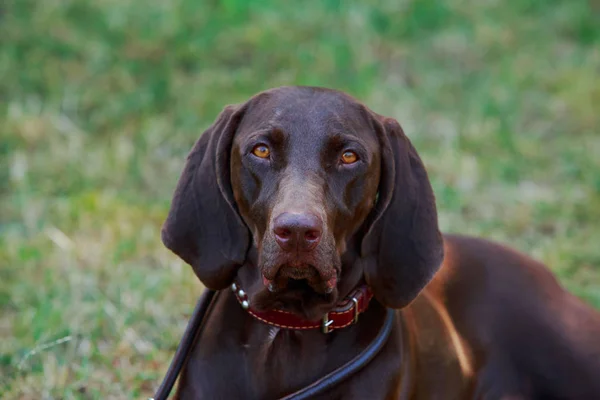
[[303, 198]]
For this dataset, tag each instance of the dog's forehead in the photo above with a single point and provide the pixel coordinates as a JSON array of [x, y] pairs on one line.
[[306, 110]]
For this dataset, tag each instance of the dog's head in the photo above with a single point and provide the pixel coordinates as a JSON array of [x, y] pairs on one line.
[[303, 192]]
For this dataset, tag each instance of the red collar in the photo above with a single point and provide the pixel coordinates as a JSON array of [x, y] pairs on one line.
[[344, 314]]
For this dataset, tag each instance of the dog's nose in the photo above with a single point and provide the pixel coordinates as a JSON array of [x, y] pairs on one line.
[[300, 232]]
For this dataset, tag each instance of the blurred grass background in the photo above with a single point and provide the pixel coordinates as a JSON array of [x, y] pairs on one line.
[[101, 100]]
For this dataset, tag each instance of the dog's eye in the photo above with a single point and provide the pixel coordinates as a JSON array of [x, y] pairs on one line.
[[349, 157], [261, 151]]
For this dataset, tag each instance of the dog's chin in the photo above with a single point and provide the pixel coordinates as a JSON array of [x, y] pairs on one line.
[[299, 297]]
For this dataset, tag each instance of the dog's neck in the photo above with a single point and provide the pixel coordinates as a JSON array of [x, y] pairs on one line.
[[291, 359]]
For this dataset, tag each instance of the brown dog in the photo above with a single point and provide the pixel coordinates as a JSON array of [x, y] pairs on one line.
[[301, 195]]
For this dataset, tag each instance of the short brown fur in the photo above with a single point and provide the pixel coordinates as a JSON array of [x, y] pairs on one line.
[[474, 320]]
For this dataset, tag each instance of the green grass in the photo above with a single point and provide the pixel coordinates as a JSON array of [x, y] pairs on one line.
[[101, 100]]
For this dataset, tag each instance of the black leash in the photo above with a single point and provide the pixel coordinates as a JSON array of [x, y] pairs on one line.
[[351, 367], [318, 387], [185, 346]]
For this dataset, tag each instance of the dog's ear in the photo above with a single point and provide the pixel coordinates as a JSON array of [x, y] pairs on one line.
[[203, 226], [403, 247]]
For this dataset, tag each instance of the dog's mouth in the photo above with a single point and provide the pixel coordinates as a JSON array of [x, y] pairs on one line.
[[302, 278], [301, 289], [299, 296], [300, 285]]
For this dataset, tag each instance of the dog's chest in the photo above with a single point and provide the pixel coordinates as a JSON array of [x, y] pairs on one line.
[[284, 360]]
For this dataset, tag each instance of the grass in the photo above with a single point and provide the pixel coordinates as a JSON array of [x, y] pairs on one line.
[[101, 100]]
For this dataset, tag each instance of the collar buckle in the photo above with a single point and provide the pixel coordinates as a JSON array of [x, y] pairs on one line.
[[326, 323], [356, 312]]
